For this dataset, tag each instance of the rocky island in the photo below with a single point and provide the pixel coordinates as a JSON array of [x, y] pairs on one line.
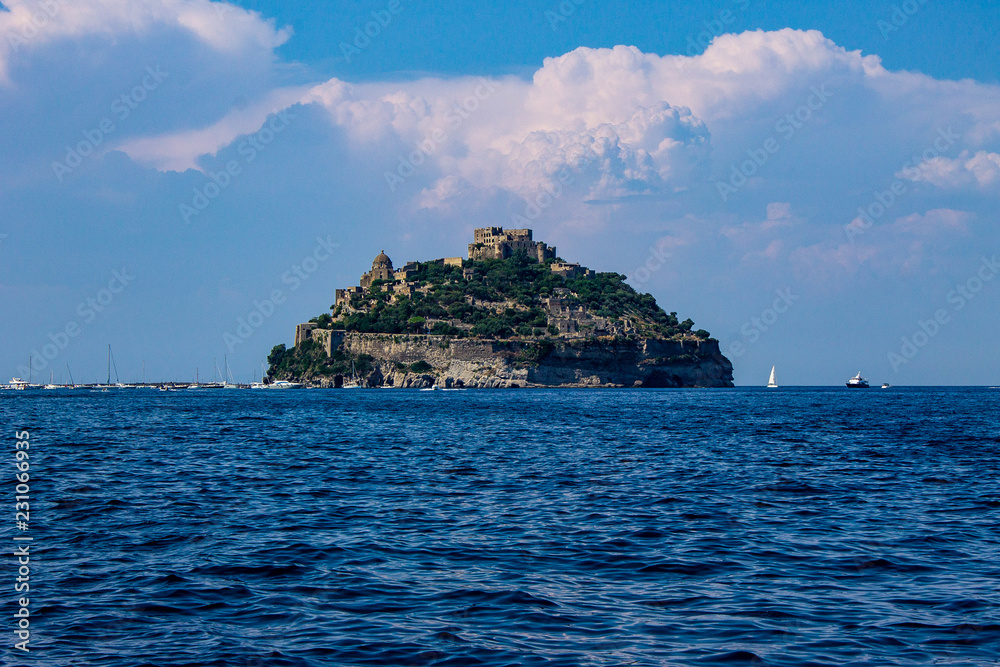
[[512, 314]]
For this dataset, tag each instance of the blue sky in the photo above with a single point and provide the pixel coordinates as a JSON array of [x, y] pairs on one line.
[[818, 186]]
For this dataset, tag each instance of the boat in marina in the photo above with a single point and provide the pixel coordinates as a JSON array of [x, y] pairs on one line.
[[857, 382], [18, 384], [107, 385], [227, 382]]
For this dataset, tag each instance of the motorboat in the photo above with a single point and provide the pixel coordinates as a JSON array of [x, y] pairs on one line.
[[857, 382], [285, 384]]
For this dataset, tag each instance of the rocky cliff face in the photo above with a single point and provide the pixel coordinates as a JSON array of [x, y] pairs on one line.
[[465, 362]]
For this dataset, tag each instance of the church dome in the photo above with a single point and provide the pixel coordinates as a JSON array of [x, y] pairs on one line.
[[382, 261]]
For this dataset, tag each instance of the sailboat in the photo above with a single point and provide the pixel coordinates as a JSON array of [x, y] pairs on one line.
[[227, 382], [72, 383], [52, 383], [353, 382], [219, 384], [262, 384], [111, 364], [197, 380], [772, 382]]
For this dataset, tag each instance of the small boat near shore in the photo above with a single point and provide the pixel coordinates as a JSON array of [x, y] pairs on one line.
[[284, 384]]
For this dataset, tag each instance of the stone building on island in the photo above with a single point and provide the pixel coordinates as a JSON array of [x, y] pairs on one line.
[[381, 270], [489, 243], [495, 243]]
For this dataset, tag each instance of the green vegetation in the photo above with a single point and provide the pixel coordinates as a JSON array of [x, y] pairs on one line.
[[309, 359], [501, 299]]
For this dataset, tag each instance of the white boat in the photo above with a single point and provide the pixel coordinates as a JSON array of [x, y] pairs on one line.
[[284, 384], [772, 383], [886, 385], [228, 380], [857, 382], [353, 382], [118, 383], [432, 388], [21, 385], [258, 385]]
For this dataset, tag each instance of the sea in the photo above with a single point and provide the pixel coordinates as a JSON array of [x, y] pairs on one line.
[[797, 526]]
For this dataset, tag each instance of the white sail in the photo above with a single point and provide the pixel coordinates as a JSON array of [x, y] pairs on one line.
[[772, 383]]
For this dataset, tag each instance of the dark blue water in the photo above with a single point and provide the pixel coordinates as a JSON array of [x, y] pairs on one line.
[[518, 527]]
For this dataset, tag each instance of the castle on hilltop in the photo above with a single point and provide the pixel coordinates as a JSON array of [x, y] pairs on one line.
[[495, 243], [489, 243]]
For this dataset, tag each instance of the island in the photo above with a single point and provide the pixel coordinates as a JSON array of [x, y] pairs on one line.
[[511, 314]]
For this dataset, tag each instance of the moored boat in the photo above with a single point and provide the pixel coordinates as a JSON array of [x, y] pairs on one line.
[[20, 385], [284, 384]]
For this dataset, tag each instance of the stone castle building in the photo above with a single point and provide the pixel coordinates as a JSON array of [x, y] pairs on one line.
[[381, 270], [564, 315], [495, 243]]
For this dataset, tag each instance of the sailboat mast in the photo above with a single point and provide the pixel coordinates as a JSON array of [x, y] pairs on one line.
[[109, 366]]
